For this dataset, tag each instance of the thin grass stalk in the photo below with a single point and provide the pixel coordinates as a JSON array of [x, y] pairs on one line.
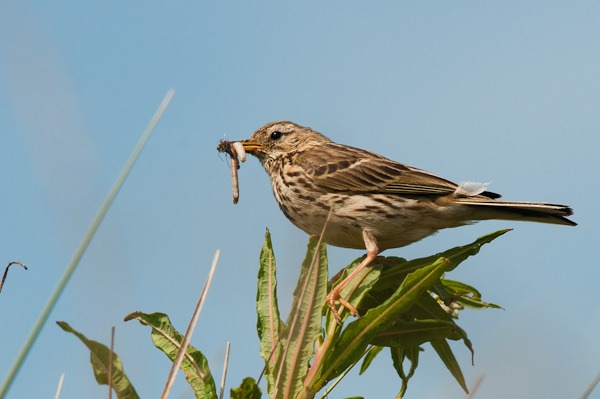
[[267, 362], [476, 386], [110, 361], [87, 238], [225, 365], [190, 330], [590, 388], [339, 379], [60, 384]]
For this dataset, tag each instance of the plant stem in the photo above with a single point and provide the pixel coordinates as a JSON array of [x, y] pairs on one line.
[[309, 382]]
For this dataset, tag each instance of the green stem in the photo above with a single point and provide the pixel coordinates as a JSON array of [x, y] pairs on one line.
[[309, 382]]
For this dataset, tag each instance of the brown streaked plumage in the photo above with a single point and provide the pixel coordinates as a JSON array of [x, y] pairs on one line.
[[375, 203]]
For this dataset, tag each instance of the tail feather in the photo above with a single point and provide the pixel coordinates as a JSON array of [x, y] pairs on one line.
[[525, 211]]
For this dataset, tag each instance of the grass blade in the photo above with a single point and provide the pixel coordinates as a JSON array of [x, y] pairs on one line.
[[110, 361], [190, 330], [87, 238], [60, 384], [476, 386], [591, 387], [225, 366]]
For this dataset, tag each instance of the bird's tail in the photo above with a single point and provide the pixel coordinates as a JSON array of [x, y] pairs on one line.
[[524, 211]]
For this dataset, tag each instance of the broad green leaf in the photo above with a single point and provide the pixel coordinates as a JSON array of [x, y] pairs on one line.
[[458, 254], [167, 339], [392, 277], [304, 323], [398, 357], [270, 327], [358, 334], [445, 353], [410, 334], [247, 390], [369, 357], [428, 308], [461, 288], [99, 357]]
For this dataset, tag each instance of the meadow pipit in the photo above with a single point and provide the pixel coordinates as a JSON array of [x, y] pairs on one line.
[[372, 202]]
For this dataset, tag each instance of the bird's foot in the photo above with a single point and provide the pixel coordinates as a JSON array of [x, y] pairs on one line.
[[332, 298]]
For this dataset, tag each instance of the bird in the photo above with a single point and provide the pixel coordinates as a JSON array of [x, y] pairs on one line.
[[370, 202]]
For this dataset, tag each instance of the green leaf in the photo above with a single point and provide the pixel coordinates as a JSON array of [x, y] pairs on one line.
[[428, 308], [247, 390], [445, 353], [466, 295], [372, 352], [99, 357], [414, 333], [270, 327], [358, 334], [304, 323], [458, 254], [168, 340], [392, 277], [398, 357]]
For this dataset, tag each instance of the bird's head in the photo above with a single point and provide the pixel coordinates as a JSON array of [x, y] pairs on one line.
[[279, 139]]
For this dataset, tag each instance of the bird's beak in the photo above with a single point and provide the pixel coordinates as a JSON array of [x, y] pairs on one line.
[[251, 146]]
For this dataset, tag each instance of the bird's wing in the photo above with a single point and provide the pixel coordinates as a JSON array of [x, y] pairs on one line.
[[341, 168]]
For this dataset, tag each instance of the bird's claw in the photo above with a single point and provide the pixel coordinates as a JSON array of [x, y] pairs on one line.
[[332, 298]]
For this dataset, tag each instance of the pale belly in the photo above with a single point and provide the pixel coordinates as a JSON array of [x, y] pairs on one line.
[[394, 221]]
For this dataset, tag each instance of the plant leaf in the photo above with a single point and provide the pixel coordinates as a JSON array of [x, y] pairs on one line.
[[445, 353], [168, 340], [369, 357], [398, 357], [392, 276], [269, 325], [99, 357], [410, 334], [247, 390], [466, 295], [428, 308], [358, 334], [304, 324]]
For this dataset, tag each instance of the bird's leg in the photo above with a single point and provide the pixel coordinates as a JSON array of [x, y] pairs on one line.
[[334, 295]]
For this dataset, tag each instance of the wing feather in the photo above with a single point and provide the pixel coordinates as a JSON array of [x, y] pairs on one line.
[[342, 168]]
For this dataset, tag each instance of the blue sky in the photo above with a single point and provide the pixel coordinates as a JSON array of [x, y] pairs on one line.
[[506, 92]]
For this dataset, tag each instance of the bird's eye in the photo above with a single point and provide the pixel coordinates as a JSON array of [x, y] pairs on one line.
[[276, 135]]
